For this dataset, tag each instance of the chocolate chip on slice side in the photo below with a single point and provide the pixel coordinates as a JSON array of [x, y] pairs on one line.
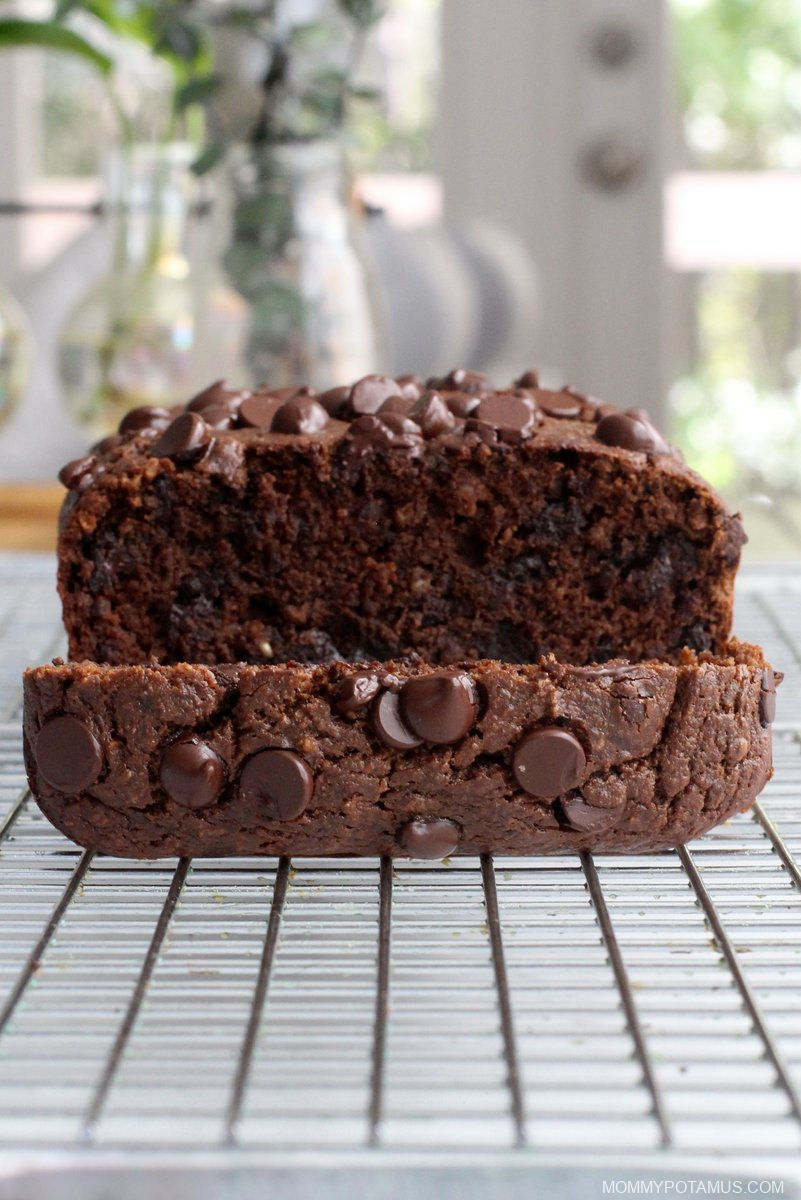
[[303, 414], [278, 782], [68, 755], [584, 817], [440, 708], [767, 698], [187, 436], [429, 837], [548, 762], [191, 773], [356, 692], [388, 723]]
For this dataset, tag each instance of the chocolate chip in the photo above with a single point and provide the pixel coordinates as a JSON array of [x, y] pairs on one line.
[[185, 437], [767, 698], [368, 394], [397, 404], [529, 379], [147, 416], [218, 416], [398, 423], [375, 433], [218, 395], [564, 405], [356, 692], [191, 773], [481, 430], [433, 415], [68, 755], [429, 837], [389, 725], [334, 400], [584, 817], [77, 474], [512, 415], [106, 444], [303, 414], [278, 780], [441, 708], [631, 430], [291, 393], [461, 404], [461, 380], [548, 762], [257, 411], [410, 387]]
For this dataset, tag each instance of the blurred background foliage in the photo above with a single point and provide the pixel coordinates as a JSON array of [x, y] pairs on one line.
[[737, 400], [736, 386]]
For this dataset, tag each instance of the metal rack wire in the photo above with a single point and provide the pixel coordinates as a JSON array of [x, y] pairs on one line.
[[608, 1005]]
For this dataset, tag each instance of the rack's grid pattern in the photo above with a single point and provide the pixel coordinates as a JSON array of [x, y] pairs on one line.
[[559, 1003]]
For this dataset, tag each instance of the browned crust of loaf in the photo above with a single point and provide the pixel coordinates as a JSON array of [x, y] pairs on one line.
[[668, 766]]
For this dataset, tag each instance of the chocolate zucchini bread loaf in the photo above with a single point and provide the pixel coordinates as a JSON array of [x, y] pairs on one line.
[[454, 522], [395, 618], [397, 759]]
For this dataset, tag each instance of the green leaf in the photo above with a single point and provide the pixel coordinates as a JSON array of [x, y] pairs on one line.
[[50, 36], [208, 158], [195, 91]]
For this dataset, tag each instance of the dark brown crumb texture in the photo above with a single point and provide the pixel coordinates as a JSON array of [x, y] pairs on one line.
[[364, 540]]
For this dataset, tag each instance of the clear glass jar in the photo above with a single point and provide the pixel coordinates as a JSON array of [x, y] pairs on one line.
[[161, 323], [295, 254]]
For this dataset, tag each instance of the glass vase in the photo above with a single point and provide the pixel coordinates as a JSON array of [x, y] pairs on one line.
[[295, 254], [161, 322], [15, 354]]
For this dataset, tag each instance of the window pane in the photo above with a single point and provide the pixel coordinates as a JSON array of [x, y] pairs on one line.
[[732, 234]]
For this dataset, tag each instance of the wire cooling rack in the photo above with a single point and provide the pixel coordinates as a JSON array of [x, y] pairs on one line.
[[530, 1011]]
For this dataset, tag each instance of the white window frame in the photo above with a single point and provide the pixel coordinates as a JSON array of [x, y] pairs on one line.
[[512, 140]]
